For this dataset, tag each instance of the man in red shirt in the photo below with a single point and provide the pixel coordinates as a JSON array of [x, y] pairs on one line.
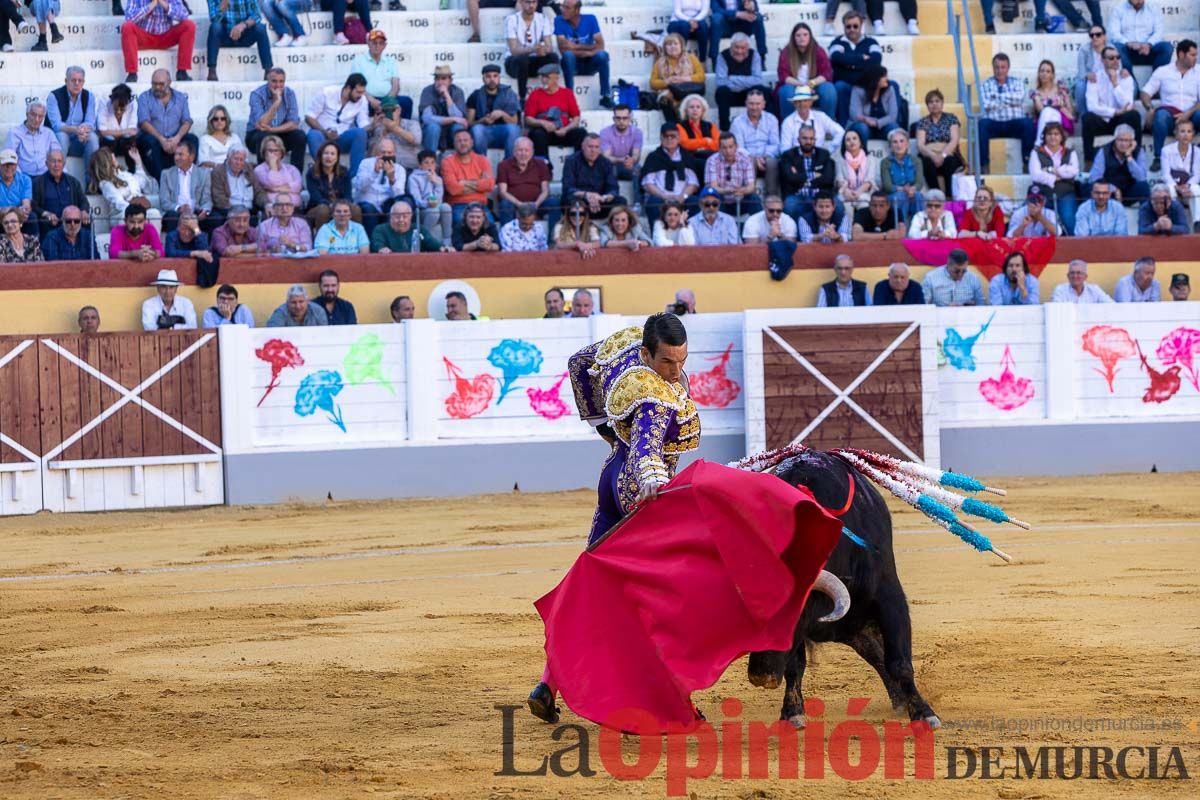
[[467, 175], [552, 115], [522, 178]]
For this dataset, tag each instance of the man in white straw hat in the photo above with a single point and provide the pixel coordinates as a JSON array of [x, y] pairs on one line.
[[164, 311]]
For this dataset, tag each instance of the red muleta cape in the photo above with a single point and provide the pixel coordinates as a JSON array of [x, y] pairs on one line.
[[717, 566]]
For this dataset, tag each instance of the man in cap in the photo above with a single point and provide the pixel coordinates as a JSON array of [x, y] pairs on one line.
[[382, 74], [442, 109], [530, 37], [16, 189], [165, 311], [493, 112], [552, 115], [1033, 218], [829, 133], [666, 176], [1181, 288], [713, 226]]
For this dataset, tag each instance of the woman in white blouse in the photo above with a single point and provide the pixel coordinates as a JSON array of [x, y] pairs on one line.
[[217, 141], [935, 222], [116, 122], [1181, 168], [857, 172], [121, 188], [672, 230]]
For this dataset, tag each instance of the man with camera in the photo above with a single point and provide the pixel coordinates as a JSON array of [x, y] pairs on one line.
[[685, 303], [165, 311], [379, 182]]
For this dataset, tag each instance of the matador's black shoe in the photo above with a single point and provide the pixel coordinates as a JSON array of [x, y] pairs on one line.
[[541, 704]]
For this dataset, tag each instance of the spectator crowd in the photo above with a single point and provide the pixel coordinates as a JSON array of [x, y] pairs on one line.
[[363, 169]]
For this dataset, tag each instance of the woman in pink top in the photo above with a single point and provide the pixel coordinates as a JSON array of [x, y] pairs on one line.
[[275, 175], [805, 63]]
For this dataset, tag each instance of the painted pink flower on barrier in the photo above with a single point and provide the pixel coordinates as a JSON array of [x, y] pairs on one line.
[[1163, 385], [1110, 345], [279, 354], [1007, 392], [470, 397], [546, 402], [714, 388], [1181, 347]]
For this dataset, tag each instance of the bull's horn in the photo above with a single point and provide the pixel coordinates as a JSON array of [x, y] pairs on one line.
[[829, 584]]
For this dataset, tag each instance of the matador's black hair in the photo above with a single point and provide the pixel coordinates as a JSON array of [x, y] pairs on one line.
[[663, 328]]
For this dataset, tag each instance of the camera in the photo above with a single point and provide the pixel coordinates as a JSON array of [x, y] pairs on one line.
[[388, 159], [679, 309], [167, 321]]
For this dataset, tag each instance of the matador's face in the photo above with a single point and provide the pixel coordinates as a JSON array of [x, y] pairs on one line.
[[667, 361]]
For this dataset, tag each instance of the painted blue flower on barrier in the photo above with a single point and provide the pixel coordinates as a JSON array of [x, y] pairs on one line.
[[959, 349], [514, 358], [318, 391]]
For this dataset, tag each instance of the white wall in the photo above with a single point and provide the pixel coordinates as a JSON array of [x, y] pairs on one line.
[[1029, 367]]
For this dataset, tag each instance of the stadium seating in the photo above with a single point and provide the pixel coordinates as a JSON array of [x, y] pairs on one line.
[[425, 37]]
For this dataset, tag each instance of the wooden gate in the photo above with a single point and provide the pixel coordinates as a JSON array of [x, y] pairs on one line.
[[845, 385], [110, 421]]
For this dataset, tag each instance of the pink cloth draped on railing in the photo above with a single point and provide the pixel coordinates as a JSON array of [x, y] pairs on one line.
[[986, 254]]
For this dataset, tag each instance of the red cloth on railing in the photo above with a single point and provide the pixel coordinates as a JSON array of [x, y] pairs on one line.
[[719, 565], [988, 255]]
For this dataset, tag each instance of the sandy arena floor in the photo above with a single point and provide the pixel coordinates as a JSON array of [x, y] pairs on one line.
[[357, 650]]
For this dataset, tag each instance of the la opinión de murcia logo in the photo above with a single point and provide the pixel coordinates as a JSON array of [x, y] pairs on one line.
[[755, 750]]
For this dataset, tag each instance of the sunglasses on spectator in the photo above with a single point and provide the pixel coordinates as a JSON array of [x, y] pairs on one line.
[[72, 220], [710, 204], [1095, 34], [1112, 58], [774, 210], [220, 119]]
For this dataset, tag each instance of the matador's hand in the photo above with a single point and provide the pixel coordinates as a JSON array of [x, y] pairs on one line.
[[648, 491]]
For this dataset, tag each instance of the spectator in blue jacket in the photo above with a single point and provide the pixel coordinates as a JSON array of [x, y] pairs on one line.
[[899, 289], [70, 241], [1161, 215], [851, 54]]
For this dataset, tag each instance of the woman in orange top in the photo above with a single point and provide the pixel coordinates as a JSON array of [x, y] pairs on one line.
[[676, 74], [984, 220], [698, 137]]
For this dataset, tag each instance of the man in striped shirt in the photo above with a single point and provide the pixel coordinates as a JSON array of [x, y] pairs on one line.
[[157, 25]]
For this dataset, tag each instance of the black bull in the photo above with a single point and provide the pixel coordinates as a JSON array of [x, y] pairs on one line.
[[877, 626]]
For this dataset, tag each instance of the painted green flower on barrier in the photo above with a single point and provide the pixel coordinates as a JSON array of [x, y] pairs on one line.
[[364, 362]]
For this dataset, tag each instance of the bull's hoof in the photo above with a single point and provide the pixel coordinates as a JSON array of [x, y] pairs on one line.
[[541, 704], [933, 721], [765, 680], [797, 721]]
